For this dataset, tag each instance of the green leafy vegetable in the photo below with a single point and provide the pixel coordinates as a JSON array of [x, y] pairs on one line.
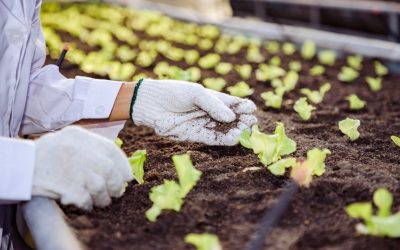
[[355, 102], [273, 99], [279, 167], [395, 140], [304, 109], [204, 241], [240, 89], [380, 69], [269, 72], [347, 74], [125, 53], [119, 142], [308, 50], [375, 84], [295, 66], [349, 127], [254, 55], [209, 61], [137, 164], [355, 61], [188, 175], [205, 44], [290, 81], [327, 57], [316, 96], [288, 48], [244, 71], [317, 70], [191, 56], [275, 60], [194, 74], [223, 68], [214, 83], [244, 139], [272, 47]]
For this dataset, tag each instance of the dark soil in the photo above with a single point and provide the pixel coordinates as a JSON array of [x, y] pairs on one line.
[[230, 201]]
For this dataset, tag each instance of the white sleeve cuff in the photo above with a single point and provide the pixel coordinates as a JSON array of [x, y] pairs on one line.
[[100, 97], [17, 167]]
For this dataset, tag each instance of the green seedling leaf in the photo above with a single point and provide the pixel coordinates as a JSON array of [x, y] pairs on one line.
[[375, 84], [204, 241], [308, 50], [304, 109], [244, 71], [380, 69], [290, 81], [317, 70], [269, 72], [240, 89], [349, 127], [175, 54], [145, 58], [254, 55], [347, 74], [272, 47], [355, 102], [188, 175], [295, 66], [383, 199], [288, 48], [205, 44], [119, 142], [125, 53], [355, 62], [194, 74], [223, 68], [277, 83], [316, 160], [244, 139], [137, 164], [273, 99], [386, 226], [162, 69], [209, 61], [275, 60], [279, 167], [191, 56], [216, 84], [360, 210], [316, 96], [395, 140], [327, 57]]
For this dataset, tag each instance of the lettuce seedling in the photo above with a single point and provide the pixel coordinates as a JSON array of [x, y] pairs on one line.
[[136, 160], [119, 142], [355, 61], [384, 223], [308, 50], [349, 127], [164, 196], [273, 99], [304, 109], [395, 140], [188, 175], [295, 66], [347, 74], [162, 69], [205, 44], [175, 54], [375, 84], [204, 241], [316, 96], [277, 83], [380, 69], [125, 53], [146, 58], [288, 48], [317, 70], [327, 57], [208, 31], [121, 71], [240, 89], [290, 81], [194, 74], [275, 60], [244, 71], [279, 167], [217, 83], [209, 61], [254, 55], [355, 103], [191, 56], [223, 68], [269, 72], [272, 47], [244, 139]]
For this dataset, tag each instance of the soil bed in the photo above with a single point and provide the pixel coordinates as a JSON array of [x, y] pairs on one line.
[[230, 202]]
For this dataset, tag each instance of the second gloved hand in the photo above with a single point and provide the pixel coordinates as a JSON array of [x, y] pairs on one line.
[[188, 111]]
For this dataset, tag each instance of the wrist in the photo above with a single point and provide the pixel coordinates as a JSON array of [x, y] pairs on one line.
[[122, 104]]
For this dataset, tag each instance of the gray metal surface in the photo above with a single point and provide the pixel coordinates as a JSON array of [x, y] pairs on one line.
[[47, 225]]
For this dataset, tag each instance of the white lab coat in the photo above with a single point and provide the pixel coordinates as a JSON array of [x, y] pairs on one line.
[[34, 98]]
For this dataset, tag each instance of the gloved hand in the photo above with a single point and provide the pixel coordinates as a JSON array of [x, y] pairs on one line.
[[80, 168], [188, 111]]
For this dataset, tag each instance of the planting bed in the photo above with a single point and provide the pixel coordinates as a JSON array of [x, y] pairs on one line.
[[229, 201]]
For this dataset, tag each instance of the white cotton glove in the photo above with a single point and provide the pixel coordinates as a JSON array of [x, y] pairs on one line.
[[80, 168], [188, 111]]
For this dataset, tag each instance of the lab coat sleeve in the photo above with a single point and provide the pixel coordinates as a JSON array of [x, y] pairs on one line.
[[16, 169]]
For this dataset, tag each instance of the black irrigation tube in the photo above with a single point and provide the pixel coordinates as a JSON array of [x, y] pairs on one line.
[[272, 216]]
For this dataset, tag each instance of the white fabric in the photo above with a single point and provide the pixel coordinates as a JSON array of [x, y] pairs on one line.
[[80, 168], [17, 159], [188, 111]]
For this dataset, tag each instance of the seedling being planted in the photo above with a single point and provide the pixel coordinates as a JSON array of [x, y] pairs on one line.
[[355, 103], [375, 84], [308, 50], [383, 223], [223, 68], [304, 109], [240, 89], [316, 96], [273, 99], [209, 61], [395, 140], [380, 69], [137, 164], [214, 83], [349, 127], [327, 57], [244, 71], [317, 70], [204, 241], [347, 74], [355, 61]]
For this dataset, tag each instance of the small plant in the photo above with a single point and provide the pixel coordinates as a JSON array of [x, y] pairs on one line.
[[191, 56], [254, 55], [355, 61], [308, 50], [269, 72], [295, 66], [288, 48], [205, 44], [304, 109], [273, 99], [194, 74], [347, 74], [125, 53], [327, 57], [375, 84], [384, 223], [316, 96], [380, 69], [355, 103], [349, 127], [279, 167], [240, 89], [214, 83], [137, 164], [204, 241], [209, 61], [244, 71], [290, 81], [188, 175], [275, 60], [317, 70], [395, 140], [272, 47], [223, 68]]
